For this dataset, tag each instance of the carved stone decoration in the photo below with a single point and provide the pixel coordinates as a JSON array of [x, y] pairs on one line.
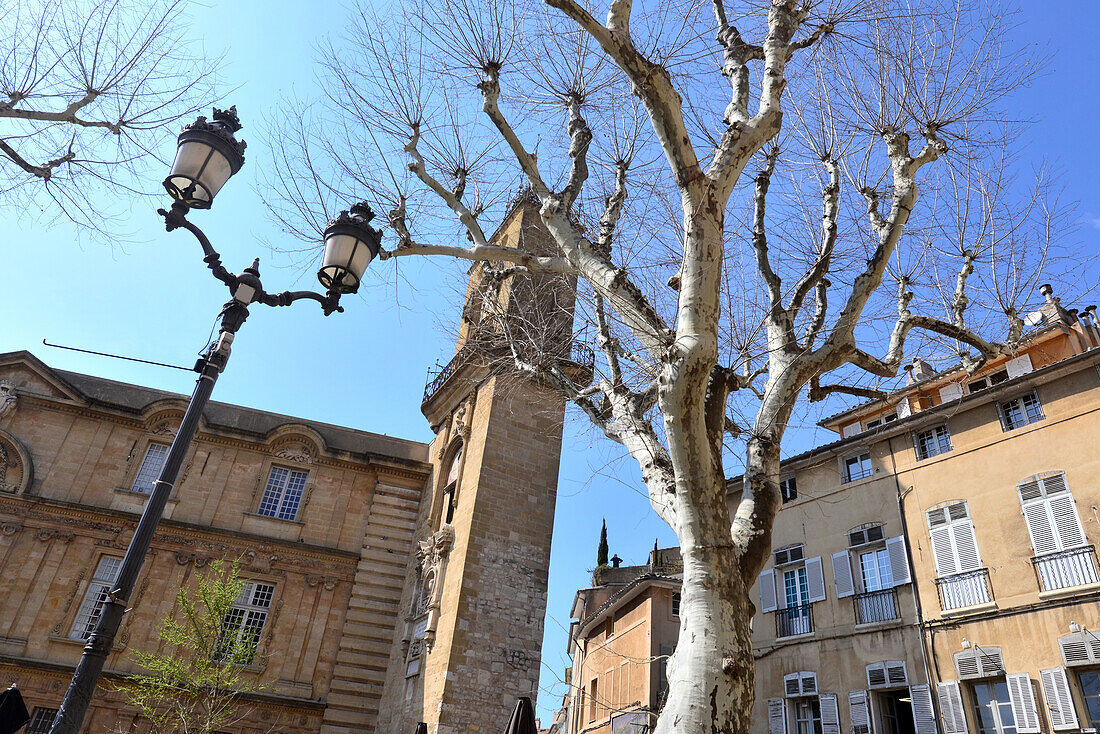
[[69, 600], [9, 401], [299, 453], [14, 471], [9, 529], [47, 534], [164, 428], [431, 554]]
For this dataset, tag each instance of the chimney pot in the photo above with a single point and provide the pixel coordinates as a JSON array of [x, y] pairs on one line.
[[1047, 292]]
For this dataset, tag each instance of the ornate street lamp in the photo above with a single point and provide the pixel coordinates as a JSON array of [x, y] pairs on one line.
[[206, 157]]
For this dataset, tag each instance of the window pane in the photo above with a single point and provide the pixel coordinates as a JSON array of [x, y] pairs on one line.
[[95, 597], [41, 720], [273, 492], [292, 497], [1090, 687], [150, 468]]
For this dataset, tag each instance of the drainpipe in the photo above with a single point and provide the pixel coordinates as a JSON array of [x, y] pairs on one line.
[[932, 680]]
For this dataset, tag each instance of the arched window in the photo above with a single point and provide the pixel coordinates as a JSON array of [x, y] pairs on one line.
[[450, 489]]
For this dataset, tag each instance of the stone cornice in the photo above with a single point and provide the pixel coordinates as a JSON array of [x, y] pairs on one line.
[[369, 464]]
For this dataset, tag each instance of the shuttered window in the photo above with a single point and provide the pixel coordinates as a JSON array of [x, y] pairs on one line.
[[1062, 556], [954, 546], [1051, 514], [777, 716], [924, 715], [830, 714], [1063, 716], [1023, 703], [951, 707], [860, 712], [767, 591], [842, 575]]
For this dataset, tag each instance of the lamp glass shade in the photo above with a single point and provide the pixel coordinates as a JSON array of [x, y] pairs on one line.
[[204, 162], [347, 255]]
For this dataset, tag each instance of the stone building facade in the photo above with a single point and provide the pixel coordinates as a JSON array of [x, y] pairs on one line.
[[392, 582], [473, 617], [320, 517], [934, 569]]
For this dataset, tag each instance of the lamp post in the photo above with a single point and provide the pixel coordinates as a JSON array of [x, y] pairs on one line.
[[206, 157]]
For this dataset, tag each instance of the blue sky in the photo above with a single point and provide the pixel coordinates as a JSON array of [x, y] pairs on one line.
[[365, 368]]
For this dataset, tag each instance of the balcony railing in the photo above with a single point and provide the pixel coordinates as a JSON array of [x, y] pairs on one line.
[[1074, 567], [578, 366], [964, 589], [876, 606], [794, 621]]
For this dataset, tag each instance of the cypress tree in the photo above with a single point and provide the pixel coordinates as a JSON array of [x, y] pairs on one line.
[[601, 553]]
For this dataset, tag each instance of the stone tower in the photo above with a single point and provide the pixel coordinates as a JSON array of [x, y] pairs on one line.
[[475, 594]]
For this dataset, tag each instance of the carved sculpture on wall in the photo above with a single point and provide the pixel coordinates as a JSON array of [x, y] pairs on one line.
[[14, 474], [9, 401], [295, 451], [431, 555]]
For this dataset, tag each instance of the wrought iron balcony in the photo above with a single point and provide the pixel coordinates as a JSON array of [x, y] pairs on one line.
[[1073, 567], [964, 589], [794, 621], [579, 365], [876, 606]]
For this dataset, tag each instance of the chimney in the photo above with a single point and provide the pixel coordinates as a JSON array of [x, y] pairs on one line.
[[918, 370], [1047, 292]]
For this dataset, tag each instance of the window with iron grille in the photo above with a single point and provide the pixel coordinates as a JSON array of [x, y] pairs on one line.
[[41, 719], [150, 468], [283, 493], [95, 597], [1020, 411], [933, 442], [858, 467], [243, 624]]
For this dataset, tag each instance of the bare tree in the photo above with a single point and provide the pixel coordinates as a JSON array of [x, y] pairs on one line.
[[736, 191], [87, 88]]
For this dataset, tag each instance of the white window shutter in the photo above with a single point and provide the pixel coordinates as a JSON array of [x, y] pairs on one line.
[[777, 716], [830, 713], [860, 712], [1066, 521], [1040, 528], [815, 579], [842, 575], [904, 411], [966, 546], [924, 715], [1019, 366], [896, 674], [809, 683], [876, 675], [950, 391], [899, 560], [1063, 716], [767, 591], [943, 551], [1023, 703], [954, 717]]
